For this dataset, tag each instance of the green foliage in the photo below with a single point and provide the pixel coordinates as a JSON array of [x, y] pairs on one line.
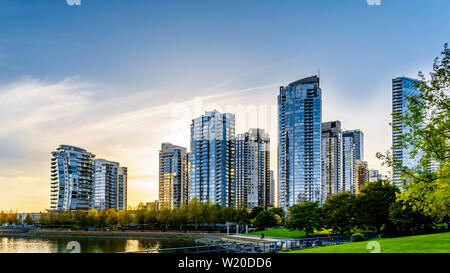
[[278, 211], [255, 211], [405, 220], [92, 218], [228, 215], [124, 217], [9, 218], [432, 243], [373, 204], [431, 198], [243, 215], [164, 217], [357, 237], [340, 212], [428, 136], [79, 219], [28, 220], [287, 233], [306, 217], [194, 211], [265, 219]]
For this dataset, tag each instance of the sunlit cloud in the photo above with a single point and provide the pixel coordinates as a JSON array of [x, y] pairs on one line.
[[38, 116]]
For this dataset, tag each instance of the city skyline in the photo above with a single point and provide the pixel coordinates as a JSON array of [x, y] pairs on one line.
[[140, 87]]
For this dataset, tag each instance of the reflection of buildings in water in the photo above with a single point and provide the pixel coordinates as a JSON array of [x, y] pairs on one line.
[[4, 246], [132, 245], [156, 246], [150, 244], [12, 245]]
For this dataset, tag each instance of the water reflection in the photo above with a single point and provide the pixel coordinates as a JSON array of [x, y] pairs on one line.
[[87, 244]]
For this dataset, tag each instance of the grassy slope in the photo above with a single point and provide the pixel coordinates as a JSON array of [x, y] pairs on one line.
[[286, 233], [432, 243]]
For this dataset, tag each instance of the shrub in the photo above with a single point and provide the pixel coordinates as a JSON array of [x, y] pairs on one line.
[[357, 237]]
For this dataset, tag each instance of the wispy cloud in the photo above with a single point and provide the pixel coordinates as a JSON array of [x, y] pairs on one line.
[[37, 116]]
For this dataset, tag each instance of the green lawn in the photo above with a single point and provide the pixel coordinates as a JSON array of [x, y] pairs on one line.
[[432, 243], [286, 233]]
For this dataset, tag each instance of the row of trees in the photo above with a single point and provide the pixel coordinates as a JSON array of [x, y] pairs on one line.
[[375, 209], [8, 218], [194, 215], [425, 199]]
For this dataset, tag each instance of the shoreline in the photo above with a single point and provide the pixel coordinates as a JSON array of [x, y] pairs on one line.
[[206, 238], [118, 234]]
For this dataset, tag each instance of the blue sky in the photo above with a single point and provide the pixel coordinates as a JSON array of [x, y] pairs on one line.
[[102, 75]]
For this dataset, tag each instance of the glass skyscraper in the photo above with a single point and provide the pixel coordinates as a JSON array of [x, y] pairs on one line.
[[173, 176], [348, 164], [253, 169], [361, 175], [212, 159], [105, 189], [358, 141], [353, 150], [402, 87], [299, 142], [331, 158], [72, 171], [122, 188]]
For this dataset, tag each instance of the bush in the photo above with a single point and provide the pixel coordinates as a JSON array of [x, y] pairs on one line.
[[357, 237], [265, 219]]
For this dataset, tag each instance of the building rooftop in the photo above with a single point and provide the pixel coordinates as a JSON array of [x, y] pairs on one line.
[[308, 80]]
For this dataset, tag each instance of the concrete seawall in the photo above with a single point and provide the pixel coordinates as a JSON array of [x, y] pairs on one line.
[[123, 234]]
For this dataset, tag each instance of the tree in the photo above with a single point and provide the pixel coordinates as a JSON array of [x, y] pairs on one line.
[[405, 220], [280, 212], [228, 215], [140, 214], [428, 137], [49, 219], [373, 204], [80, 219], [243, 215], [432, 198], [29, 220], [64, 218], [211, 212], [340, 212], [112, 218], [265, 219], [164, 217], [11, 218], [124, 217], [180, 216], [3, 217], [194, 209], [255, 211], [150, 215], [92, 217], [305, 217]]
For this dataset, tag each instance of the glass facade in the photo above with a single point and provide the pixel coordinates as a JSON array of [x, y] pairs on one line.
[[402, 87], [122, 188], [173, 176], [253, 169], [72, 171], [362, 175], [358, 141], [331, 158], [348, 164], [212, 159], [105, 188], [299, 142]]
